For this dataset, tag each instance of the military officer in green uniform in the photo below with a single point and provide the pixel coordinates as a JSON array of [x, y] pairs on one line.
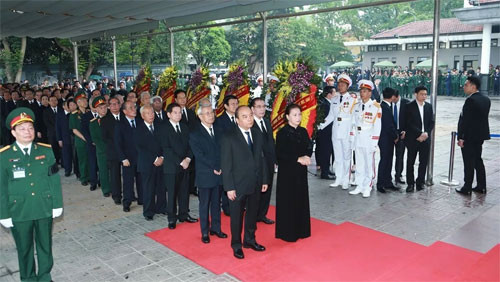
[[30, 195], [75, 121], [99, 103]]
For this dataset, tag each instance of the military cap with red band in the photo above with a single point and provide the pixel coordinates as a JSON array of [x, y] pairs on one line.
[[18, 116]]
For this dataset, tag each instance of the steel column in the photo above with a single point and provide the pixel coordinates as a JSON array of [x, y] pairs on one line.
[[114, 62], [75, 57]]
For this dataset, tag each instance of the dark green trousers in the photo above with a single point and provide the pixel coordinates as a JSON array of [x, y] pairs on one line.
[[102, 164], [83, 163], [27, 234]]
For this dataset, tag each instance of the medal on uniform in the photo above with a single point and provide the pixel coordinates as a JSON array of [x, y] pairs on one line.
[[19, 172]]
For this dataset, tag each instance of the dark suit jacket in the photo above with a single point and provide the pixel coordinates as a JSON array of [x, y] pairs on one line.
[[9, 106], [388, 132], [192, 120], [243, 170], [108, 124], [148, 146], [473, 122], [224, 123], [413, 121], [126, 148], [37, 110], [63, 133], [164, 116], [175, 146], [85, 129], [49, 119], [206, 150], [402, 112], [269, 146]]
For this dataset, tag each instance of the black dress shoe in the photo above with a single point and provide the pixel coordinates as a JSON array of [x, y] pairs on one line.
[[118, 201], [238, 253], [226, 213], [194, 193], [148, 218], [400, 180], [381, 189], [410, 188], [205, 239], [479, 190], [267, 220], [126, 209], [255, 246], [139, 203], [327, 177], [171, 225], [189, 219], [219, 234], [107, 195], [93, 187], [464, 191], [134, 199], [85, 183], [67, 174], [420, 187], [392, 187]]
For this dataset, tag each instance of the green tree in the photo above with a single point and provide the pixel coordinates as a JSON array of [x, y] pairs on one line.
[[12, 57], [210, 46]]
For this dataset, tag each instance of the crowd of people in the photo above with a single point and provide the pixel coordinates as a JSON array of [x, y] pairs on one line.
[[139, 152]]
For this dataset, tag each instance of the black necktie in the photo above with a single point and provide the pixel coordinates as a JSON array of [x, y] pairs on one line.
[[159, 116], [363, 107], [26, 152], [133, 123], [340, 99], [178, 129], [117, 118], [55, 111], [151, 129], [232, 120], [249, 141], [212, 133], [185, 114], [263, 127]]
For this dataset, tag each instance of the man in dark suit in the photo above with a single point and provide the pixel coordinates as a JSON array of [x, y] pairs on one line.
[[205, 144], [388, 137], [174, 140], [108, 124], [125, 132], [263, 126], [150, 164], [91, 149], [473, 129], [324, 145], [160, 114], [398, 112], [227, 122], [63, 136], [49, 119], [244, 177], [419, 122], [30, 103]]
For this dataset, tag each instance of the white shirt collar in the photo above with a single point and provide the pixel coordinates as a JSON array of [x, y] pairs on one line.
[[116, 116], [22, 147], [230, 116], [244, 134], [174, 124], [208, 128]]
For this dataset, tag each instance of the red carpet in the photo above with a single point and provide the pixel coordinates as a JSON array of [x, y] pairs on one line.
[[345, 252]]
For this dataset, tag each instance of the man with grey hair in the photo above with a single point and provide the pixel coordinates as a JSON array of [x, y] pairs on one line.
[[145, 98], [157, 103]]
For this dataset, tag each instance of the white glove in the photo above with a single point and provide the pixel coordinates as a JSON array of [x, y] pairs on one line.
[[57, 212], [7, 223]]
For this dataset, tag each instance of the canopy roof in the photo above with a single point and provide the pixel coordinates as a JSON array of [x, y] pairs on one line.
[[80, 20]]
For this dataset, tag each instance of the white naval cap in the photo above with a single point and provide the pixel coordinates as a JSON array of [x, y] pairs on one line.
[[367, 84], [272, 77], [346, 79], [329, 77]]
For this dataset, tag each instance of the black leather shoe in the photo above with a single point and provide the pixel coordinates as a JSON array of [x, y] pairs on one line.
[[148, 218], [171, 225], [420, 187], [327, 177], [194, 193], [410, 188], [255, 246], [67, 174], [134, 199], [126, 209], [205, 239], [218, 234], [381, 189], [392, 187], [226, 213], [139, 203], [189, 219], [238, 253], [464, 191], [93, 187], [107, 195], [85, 183], [479, 190], [118, 201], [267, 220], [400, 180]]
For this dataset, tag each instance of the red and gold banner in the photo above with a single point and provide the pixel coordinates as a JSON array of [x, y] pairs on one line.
[[278, 110], [308, 103], [243, 94], [168, 95], [194, 98]]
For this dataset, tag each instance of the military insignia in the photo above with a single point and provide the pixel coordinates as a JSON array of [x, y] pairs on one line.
[[40, 157], [359, 128], [14, 148], [5, 148], [379, 115], [44, 144], [14, 160]]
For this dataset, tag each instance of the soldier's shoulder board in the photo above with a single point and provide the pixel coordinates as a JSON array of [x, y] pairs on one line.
[[94, 119], [5, 148], [354, 95], [376, 104], [44, 144]]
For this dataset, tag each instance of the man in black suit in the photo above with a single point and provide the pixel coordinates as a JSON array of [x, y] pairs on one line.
[[324, 145], [473, 129], [388, 137], [30, 103], [126, 149], [160, 114], [244, 175], [227, 122], [205, 144], [419, 122], [49, 119], [398, 112], [174, 140], [63, 136], [263, 126], [150, 163], [108, 124], [91, 149]]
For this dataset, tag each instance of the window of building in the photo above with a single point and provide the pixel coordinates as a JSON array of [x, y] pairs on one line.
[[442, 45], [494, 42]]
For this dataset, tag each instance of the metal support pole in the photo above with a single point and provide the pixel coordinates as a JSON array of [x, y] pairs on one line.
[[449, 181], [264, 44], [171, 46], [114, 62], [485, 58], [435, 64], [75, 55]]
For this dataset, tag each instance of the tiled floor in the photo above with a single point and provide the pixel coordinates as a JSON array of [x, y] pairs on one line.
[[97, 241]]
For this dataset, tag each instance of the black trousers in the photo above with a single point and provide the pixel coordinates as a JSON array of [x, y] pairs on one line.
[[400, 155], [224, 200], [178, 194], [422, 149], [55, 148], [471, 154], [153, 192], [384, 178], [324, 150], [237, 207], [209, 209], [67, 157], [265, 197], [115, 179], [130, 175]]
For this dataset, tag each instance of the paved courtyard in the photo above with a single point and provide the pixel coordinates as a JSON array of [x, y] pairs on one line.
[[96, 241]]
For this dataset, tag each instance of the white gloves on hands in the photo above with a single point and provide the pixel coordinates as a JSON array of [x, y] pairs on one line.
[[7, 223], [57, 212]]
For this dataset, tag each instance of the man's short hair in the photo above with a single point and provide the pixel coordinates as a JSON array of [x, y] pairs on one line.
[[229, 97], [145, 107], [420, 88], [177, 92], [475, 80], [201, 107], [388, 93], [237, 113], [171, 107], [252, 103], [328, 90]]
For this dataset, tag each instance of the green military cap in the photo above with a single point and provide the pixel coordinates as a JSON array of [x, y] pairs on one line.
[[98, 101], [18, 116], [79, 96]]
